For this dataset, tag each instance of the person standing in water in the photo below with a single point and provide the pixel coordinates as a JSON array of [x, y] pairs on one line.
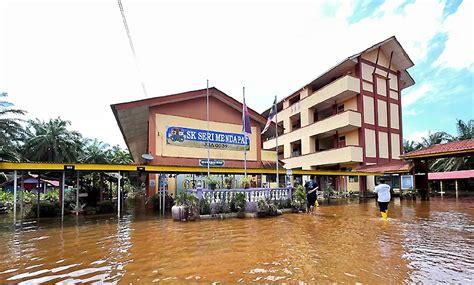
[[311, 187], [383, 197]]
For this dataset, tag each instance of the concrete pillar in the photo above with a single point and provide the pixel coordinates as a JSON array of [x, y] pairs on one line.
[[119, 202], [77, 192], [15, 186], [456, 187], [63, 182]]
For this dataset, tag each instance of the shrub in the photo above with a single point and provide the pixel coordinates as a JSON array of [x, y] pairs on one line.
[[212, 182], [51, 196], [46, 209], [240, 202], [245, 182], [204, 206], [228, 182], [298, 201], [262, 205]]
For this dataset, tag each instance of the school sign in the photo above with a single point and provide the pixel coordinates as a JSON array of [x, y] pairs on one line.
[[188, 137]]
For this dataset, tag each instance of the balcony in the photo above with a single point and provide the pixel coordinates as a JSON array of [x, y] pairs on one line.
[[338, 90], [342, 122], [346, 154]]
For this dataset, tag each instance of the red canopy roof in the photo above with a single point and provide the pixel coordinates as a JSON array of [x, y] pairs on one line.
[[461, 174], [440, 150], [392, 167]]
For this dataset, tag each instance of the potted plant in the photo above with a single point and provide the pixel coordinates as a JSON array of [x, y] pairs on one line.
[[262, 208], [240, 202], [228, 182], [298, 200], [179, 212], [245, 182], [212, 182]]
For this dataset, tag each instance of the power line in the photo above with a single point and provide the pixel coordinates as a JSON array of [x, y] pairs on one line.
[[127, 30]]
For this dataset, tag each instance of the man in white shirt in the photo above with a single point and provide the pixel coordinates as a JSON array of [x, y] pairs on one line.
[[383, 197]]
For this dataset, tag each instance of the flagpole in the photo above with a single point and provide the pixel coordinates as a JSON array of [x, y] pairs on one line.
[[246, 137], [276, 142], [207, 114]]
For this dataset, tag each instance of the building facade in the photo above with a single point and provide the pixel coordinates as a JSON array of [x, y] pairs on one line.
[[172, 130], [350, 116]]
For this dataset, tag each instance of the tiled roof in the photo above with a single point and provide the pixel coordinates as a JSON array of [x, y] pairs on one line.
[[451, 148], [392, 167], [461, 174]]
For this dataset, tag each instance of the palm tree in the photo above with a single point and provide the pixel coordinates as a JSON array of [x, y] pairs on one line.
[[465, 129], [465, 132], [52, 141], [11, 130], [436, 138], [95, 151], [119, 156], [409, 145]]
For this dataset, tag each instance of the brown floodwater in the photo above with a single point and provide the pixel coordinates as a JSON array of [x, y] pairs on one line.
[[430, 242]]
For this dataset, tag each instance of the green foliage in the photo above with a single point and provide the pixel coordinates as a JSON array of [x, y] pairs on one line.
[[245, 182], [328, 191], [12, 133], [205, 208], [298, 200], [228, 182], [47, 209], [51, 141], [262, 205], [51, 196], [212, 182], [6, 202], [190, 202], [240, 202]]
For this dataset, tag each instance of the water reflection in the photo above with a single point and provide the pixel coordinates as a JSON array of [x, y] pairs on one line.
[[423, 241]]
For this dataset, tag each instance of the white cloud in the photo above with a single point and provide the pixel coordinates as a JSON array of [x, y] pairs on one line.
[[417, 135], [459, 47], [72, 59], [414, 95], [411, 112]]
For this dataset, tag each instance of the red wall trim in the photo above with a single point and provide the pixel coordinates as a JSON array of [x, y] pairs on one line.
[[378, 66], [400, 113], [360, 108], [376, 119]]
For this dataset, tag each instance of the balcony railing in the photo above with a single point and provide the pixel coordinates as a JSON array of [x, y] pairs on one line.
[[251, 194]]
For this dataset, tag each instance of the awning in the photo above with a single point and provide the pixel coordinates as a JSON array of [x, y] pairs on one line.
[[461, 174]]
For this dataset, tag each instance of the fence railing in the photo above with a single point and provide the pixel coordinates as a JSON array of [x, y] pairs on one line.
[[251, 194]]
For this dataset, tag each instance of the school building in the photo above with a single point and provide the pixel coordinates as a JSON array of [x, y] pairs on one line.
[[348, 118]]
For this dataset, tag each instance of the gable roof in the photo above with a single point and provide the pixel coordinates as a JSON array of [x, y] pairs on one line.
[[400, 59], [132, 117], [465, 147]]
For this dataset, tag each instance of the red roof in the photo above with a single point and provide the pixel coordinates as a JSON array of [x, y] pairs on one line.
[[392, 167], [461, 174], [446, 149]]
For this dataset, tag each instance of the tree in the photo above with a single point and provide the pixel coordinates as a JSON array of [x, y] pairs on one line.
[[409, 145], [465, 129], [52, 141], [119, 156], [95, 151], [436, 138], [11, 131]]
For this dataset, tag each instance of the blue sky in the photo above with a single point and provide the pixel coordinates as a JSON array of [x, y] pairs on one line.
[[71, 58]]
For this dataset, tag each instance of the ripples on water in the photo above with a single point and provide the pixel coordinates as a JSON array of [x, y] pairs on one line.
[[429, 242]]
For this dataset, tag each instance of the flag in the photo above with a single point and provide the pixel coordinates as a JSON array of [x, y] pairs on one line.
[[246, 120], [272, 114]]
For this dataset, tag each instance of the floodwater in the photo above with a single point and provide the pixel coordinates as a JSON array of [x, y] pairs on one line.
[[431, 242]]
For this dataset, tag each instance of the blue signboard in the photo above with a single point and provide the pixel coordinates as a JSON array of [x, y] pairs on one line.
[[188, 137], [212, 162]]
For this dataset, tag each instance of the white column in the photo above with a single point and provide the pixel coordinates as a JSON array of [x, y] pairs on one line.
[[77, 193], [63, 182], [15, 186], [118, 195], [456, 187]]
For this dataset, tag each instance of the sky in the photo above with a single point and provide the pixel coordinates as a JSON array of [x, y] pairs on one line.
[[72, 59]]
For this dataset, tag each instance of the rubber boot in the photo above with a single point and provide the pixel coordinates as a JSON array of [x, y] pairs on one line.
[[384, 215]]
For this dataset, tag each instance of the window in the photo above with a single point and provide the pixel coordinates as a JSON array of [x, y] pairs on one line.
[[353, 179], [340, 108], [342, 138]]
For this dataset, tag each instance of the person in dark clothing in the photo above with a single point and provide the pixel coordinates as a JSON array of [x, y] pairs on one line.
[[311, 187]]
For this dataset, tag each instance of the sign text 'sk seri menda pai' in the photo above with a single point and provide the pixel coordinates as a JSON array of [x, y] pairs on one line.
[[188, 137]]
